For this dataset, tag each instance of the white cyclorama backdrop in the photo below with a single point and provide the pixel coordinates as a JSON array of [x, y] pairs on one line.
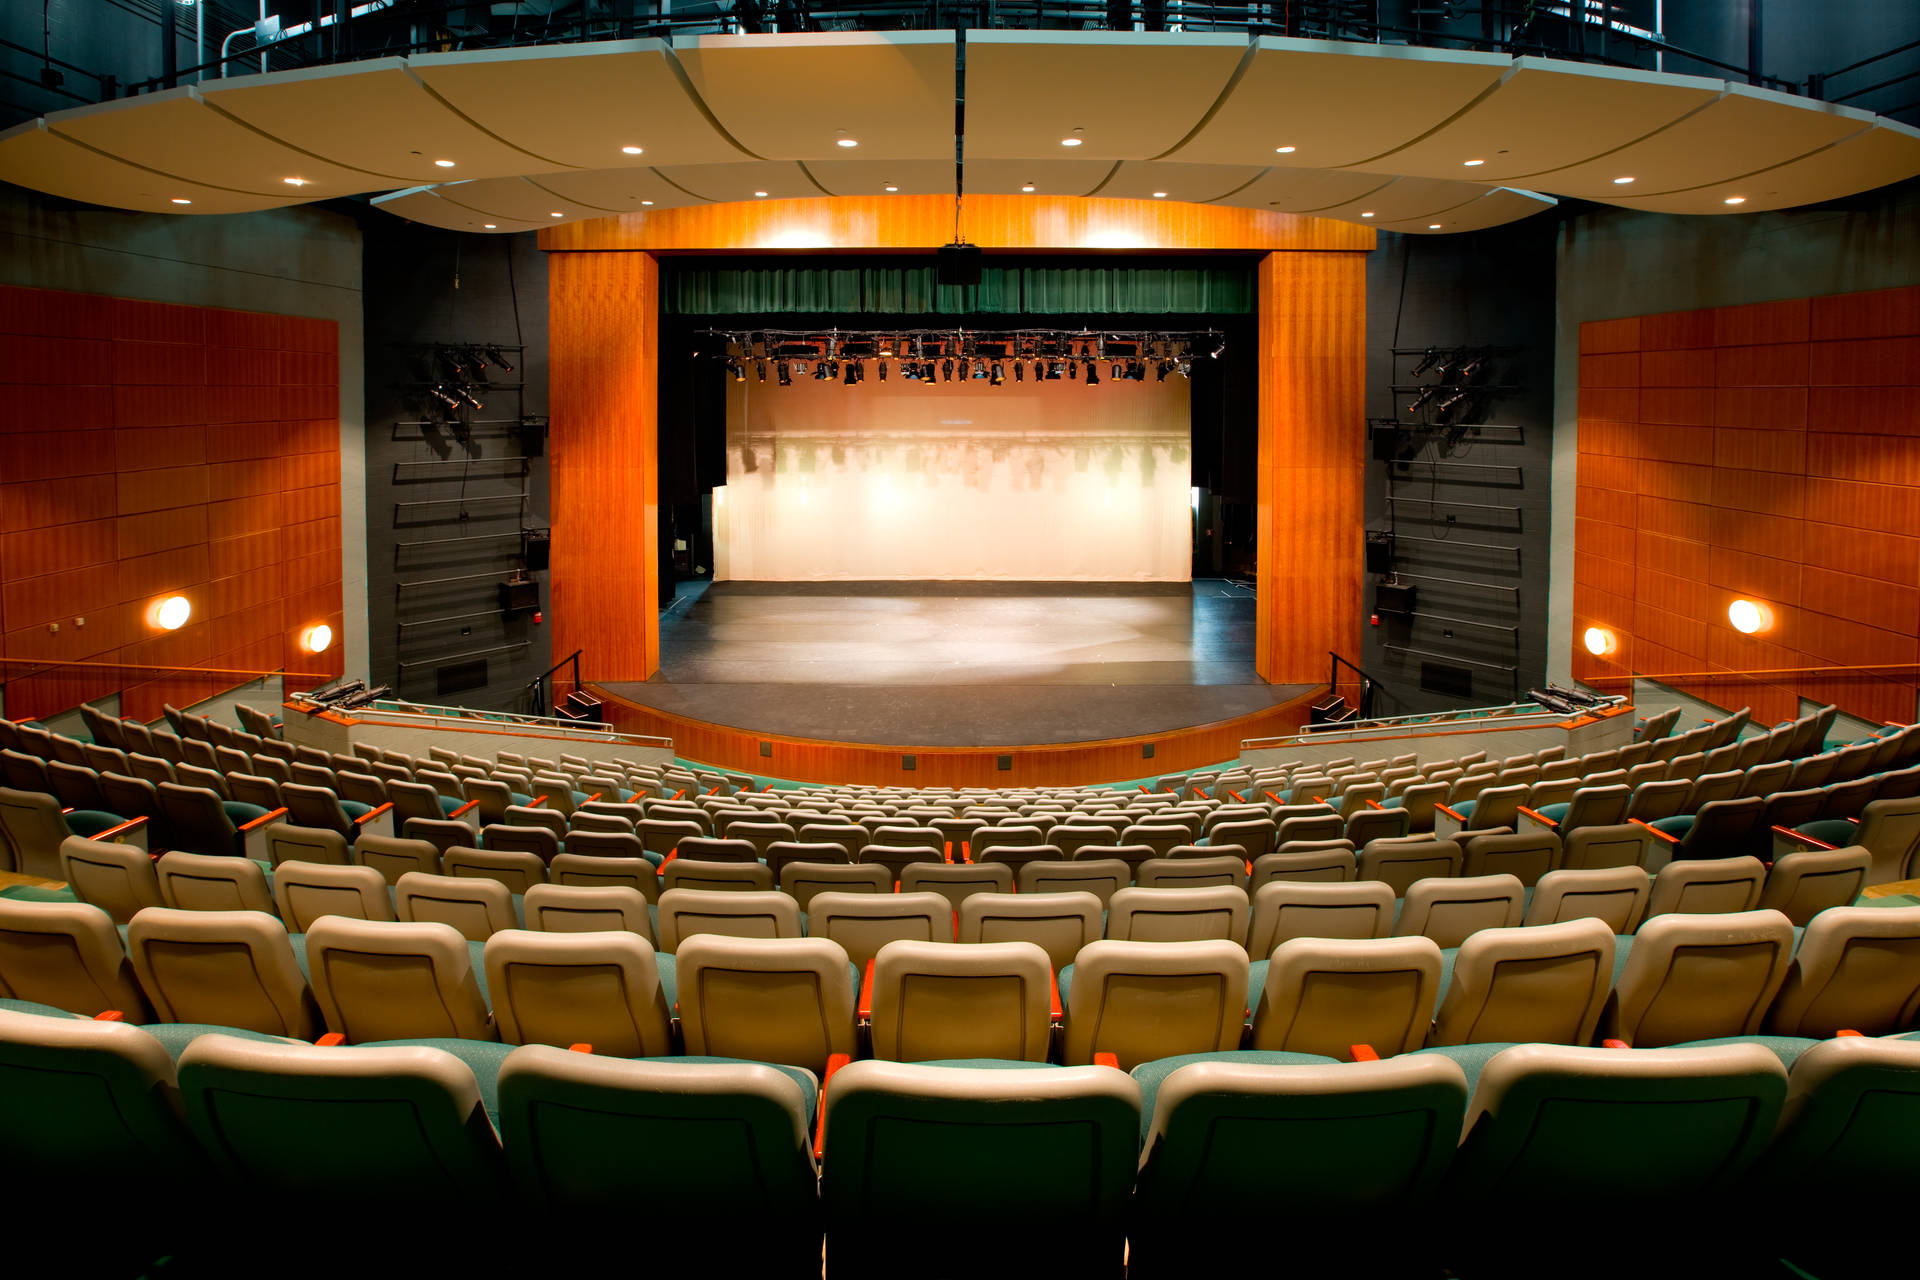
[[1025, 482]]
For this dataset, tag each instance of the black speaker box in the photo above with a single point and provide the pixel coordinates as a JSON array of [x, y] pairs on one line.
[[517, 598], [959, 264], [535, 544], [1392, 597], [1379, 553]]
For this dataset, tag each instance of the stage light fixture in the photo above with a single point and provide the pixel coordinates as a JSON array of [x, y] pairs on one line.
[[966, 369], [1186, 369], [493, 354], [946, 370], [735, 368], [1019, 372], [999, 375], [1219, 348], [1164, 368], [785, 372], [760, 367], [1073, 370], [883, 371], [1093, 374], [853, 372], [820, 373], [1116, 371]]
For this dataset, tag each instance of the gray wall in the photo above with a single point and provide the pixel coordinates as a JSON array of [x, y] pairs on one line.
[[1490, 289], [413, 302], [1612, 263], [303, 262]]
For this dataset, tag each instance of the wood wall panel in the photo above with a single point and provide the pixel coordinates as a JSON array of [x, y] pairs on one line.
[[1811, 503], [1055, 764], [603, 406], [149, 449], [1312, 456], [926, 222]]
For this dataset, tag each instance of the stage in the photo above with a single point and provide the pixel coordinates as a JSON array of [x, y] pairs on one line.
[[961, 670]]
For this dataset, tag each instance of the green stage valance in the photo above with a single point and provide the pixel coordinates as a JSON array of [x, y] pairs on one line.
[[915, 290]]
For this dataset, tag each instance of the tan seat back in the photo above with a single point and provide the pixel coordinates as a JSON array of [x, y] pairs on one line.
[[717, 877], [802, 880], [565, 908], [1178, 915], [1802, 884], [958, 881], [228, 968], [1451, 911], [862, 923], [1706, 886], [1699, 977], [117, 878], [687, 912], [1286, 909], [393, 980], [1857, 969], [517, 871], [394, 857], [303, 892], [212, 882], [289, 843], [1325, 995], [476, 906], [1545, 984], [787, 1000], [68, 955], [1209, 869], [1527, 857], [1058, 923], [1593, 848], [1101, 877], [943, 1000], [597, 988], [1617, 896], [1312, 861], [1145, 1000], [592, 868], [1401, 863]]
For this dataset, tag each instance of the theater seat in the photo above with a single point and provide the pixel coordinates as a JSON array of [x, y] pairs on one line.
[[303, 892], [1547, 983], [203, 882], [943, 1000], [117, 878], [1698, 977], [1146, 1000], [395, 980], [222, 968], [67, 955], [1326, 995], [602, 989], [779, 1000], [1059, 923], [1856, 969]]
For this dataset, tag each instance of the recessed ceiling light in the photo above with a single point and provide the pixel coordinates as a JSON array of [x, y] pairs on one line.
[[1736, 200], [844, 141], [491, 225], [646, 202], [556, 215], [1028, 187], [1074, 139], [1472, 164], [1159, 195], [1433, 226], [891, 187], [760, 193], [1284, 151], [181, 200], [632, 151], [295, 182], [1621, 182], [444, 164], [1367, 214]]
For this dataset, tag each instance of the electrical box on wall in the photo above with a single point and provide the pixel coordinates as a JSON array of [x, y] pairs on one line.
[[1393, 597]]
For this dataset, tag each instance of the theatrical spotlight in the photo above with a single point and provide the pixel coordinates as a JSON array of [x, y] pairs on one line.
[[760, 367], [738, 370], [853, 372], [946, 370], [1093, 373], [820, 372], [1137, 370], [1019, 372], [439, 392], [786, 373], [1073, 370], [883, 371], [493, 354], [1186, 368], [1000, 375], [1162, 370], [1219, 346]]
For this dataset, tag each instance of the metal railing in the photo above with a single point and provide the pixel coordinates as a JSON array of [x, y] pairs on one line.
[[540, 688], [1365, 705], [1511, 715], [32, 689], [420, 715]]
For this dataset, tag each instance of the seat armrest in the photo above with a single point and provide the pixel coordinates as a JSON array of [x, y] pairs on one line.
[[468, 813], [1054, 1011], [1363, 1053], [536, 802], [1375, 804], [1615, 1044], [331, 1039], [1447, 822], [834, 1063], [253, 836], [864, 1011], [580, 1047], [1533, 819], [115, 1015], [1107, 1060], [378, 822], [133, 831], [1787, 840], [1655, 831]]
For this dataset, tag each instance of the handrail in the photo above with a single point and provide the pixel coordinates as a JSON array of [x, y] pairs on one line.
[[537, 689], [1871, 668], [1441, 722], [395, 712], [1366, 682]]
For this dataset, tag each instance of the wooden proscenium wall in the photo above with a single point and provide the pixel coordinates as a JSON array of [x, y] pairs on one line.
[[149, 450], [603, 294], [1767, 452]]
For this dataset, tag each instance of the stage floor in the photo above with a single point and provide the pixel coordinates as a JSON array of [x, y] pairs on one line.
[[959, 664]]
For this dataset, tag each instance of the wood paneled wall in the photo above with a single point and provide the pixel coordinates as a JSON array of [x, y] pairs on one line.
[[926, 222], [1770, 452], [604, 311], [1067, 764], [149, 449], [1309, 507]]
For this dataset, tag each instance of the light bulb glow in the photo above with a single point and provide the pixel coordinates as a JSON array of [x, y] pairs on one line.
[[1284, 151], [1599, 641], [317, 638], [631, 151], [172, 613], [1749, 616]]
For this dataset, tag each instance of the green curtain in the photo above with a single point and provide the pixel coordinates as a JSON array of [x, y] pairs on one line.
[[916, 290]]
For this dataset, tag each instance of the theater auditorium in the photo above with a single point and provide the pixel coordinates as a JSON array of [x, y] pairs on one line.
[[926, 639]]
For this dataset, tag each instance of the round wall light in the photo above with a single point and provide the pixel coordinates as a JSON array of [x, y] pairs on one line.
[[1749, 616], [317, 638], [170, 613], [1599, 641]]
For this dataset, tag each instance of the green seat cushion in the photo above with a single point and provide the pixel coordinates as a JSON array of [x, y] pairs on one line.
[[44, 1010], [808, 1082], [1471, 1057], [1557, 812], [354, 809], [240, 813], [448, 804], [91, 822], [1465, 807], [483, 1057], [514, 797], [1677, 826], [1256, 981], [176, 1036], [1394, 802], [664, 962], [1835, 831], [1150, 1075], [581, 797], [1787, 1048]]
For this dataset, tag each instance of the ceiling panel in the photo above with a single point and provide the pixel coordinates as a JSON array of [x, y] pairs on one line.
[[873, 177], [515, 198], [1336, 104], [1405, 200], [33, 156], [1196, 183], [793, 97], [177, 133], [422, 204], [1048, 177], [1889, 152], [1132, 95], [372, 115], [1305, 190], [1745, 130], [1489, 209], [1545, 115], [579, 104], [615, 190], [781, 180]]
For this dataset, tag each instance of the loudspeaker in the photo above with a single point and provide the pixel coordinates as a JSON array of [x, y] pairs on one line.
[[959, 264], [533, 436], [517, 598], [1379, 553], [535, 544], [1393, 597], [1386, 443]]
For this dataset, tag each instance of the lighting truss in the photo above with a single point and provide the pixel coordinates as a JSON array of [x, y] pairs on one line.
[[947, 355]]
